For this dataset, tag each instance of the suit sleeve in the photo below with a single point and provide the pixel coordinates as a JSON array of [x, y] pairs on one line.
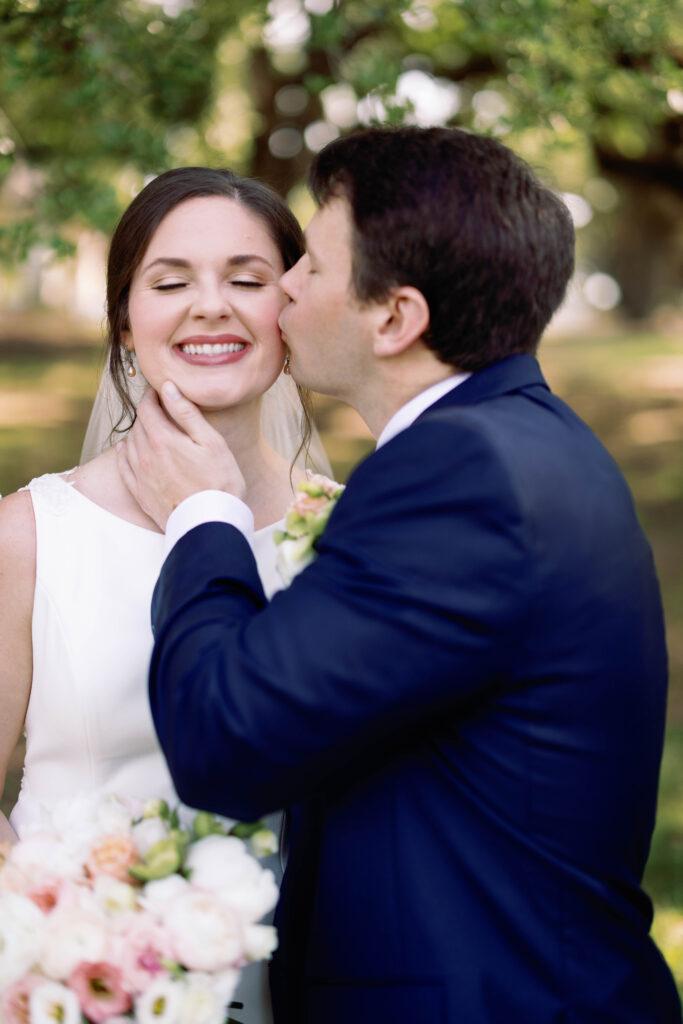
[[411, 612]]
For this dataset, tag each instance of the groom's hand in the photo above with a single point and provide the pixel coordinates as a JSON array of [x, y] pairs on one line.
[[171, 452]]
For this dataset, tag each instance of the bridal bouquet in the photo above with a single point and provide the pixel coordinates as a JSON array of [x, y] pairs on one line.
[[306, 519], [111, 916]]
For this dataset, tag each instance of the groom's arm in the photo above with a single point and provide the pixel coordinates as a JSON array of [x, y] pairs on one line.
[[409, 614]]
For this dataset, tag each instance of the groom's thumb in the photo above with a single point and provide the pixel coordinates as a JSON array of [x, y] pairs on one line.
[[182, 410]]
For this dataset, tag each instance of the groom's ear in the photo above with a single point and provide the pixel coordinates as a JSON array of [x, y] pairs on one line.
[[404, 321]]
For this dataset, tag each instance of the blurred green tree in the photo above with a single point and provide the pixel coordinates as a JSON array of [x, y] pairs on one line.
[[96, 94]]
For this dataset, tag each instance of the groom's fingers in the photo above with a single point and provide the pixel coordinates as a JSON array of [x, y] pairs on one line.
[[184, 413]]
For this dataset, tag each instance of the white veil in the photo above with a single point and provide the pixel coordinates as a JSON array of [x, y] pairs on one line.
[[280, 421]]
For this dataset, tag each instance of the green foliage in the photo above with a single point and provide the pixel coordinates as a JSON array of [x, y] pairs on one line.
[[88, 87], [95, 94]]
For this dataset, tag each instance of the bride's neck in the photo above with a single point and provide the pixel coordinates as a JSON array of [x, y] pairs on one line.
[[266, 474]]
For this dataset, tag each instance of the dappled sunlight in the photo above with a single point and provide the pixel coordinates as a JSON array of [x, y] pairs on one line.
[[19, 409], [655, 425]]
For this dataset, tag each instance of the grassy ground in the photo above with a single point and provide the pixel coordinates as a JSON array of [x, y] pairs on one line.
[[628, 388]]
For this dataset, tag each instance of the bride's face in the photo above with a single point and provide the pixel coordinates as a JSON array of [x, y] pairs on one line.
[[204, 304]]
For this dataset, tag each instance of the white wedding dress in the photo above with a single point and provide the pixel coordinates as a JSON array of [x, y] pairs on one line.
[[88, 724]]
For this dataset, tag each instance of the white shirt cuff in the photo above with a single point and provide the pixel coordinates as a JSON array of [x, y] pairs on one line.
[[208, 507]]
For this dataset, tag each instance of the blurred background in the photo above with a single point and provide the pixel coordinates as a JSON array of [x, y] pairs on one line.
[[98, 96]]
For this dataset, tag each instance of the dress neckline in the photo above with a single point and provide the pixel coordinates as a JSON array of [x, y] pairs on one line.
[[271, 527]]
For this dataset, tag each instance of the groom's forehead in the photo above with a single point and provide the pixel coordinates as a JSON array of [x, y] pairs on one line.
[[329, 227]]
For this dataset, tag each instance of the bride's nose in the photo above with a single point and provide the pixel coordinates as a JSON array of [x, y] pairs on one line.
[[211, 300]]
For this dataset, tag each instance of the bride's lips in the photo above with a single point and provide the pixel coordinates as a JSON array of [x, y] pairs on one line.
[[212, 349]]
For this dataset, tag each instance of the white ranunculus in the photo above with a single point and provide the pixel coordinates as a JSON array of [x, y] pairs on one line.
[[260, 941], [222, 864], [148, 832], [112, 896], [158, 894], [54, 1002], [70, 935], [205, 933], [20, 925], [201, 1003], [223, 983], [160, 1003]]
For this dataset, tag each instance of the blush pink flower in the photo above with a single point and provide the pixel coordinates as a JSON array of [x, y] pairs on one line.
[[330, 487], [139, 951], [99, 990], [45, 896], [304, 503], [14, 1007], [112, 856]]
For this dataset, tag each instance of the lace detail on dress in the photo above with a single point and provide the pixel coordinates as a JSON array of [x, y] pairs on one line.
[[52, 489]]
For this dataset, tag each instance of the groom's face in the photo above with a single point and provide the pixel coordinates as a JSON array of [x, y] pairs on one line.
[[327, 330]]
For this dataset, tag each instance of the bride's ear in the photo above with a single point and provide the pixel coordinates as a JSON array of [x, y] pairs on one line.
[[405, 320]]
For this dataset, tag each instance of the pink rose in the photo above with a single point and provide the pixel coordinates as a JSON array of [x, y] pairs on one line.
[[112, 856], [99, 989], [14, 1007], [304, 503]]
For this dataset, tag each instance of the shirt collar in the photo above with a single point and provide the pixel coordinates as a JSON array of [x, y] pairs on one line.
[[409, 412]]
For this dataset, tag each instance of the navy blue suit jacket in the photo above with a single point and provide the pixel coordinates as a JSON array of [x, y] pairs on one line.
[[462, 702]]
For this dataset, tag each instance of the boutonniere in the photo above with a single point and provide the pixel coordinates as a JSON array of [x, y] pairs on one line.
[[305, 521]]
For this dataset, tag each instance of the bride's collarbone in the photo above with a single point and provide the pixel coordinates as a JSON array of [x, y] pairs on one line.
[[100, 482]]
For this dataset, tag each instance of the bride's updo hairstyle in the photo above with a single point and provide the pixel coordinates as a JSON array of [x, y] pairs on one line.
[[137, 226]]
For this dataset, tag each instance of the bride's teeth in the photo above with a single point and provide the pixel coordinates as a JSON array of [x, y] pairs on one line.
[[212, 350]]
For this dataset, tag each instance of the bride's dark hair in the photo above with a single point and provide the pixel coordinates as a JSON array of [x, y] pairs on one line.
[[134, 233]]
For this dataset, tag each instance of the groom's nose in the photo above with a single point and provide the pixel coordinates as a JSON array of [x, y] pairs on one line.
[[289, 279]]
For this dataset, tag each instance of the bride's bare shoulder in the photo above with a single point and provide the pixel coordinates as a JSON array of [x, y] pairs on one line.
[[17, 533]]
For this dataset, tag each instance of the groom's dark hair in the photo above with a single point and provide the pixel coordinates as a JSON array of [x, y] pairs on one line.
[[463, 219]]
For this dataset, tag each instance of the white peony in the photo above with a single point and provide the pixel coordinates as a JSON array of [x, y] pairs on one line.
[[70, 935], [205, 933], [222, 864], [158, 894], [20, 925], [160, 1003], [53, 1002], [201, 1003]]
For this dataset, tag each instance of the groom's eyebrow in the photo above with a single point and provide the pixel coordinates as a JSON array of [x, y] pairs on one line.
[[238, 260]]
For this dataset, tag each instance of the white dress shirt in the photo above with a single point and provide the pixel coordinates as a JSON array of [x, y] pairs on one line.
[[219, 507]]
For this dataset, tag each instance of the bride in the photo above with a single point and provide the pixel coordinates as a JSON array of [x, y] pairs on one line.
[[192, 296]]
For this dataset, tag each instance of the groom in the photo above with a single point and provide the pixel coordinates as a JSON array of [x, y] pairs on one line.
[[462, 700]]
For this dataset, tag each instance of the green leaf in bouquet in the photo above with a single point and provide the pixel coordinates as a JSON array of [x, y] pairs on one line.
[[207, 824], [246, 829], [162, 859], [156, 809]]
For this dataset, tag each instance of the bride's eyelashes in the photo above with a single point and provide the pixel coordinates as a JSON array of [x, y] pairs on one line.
[[176, 285]]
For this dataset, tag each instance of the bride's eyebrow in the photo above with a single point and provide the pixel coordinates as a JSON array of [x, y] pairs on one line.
[[233, 261]]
